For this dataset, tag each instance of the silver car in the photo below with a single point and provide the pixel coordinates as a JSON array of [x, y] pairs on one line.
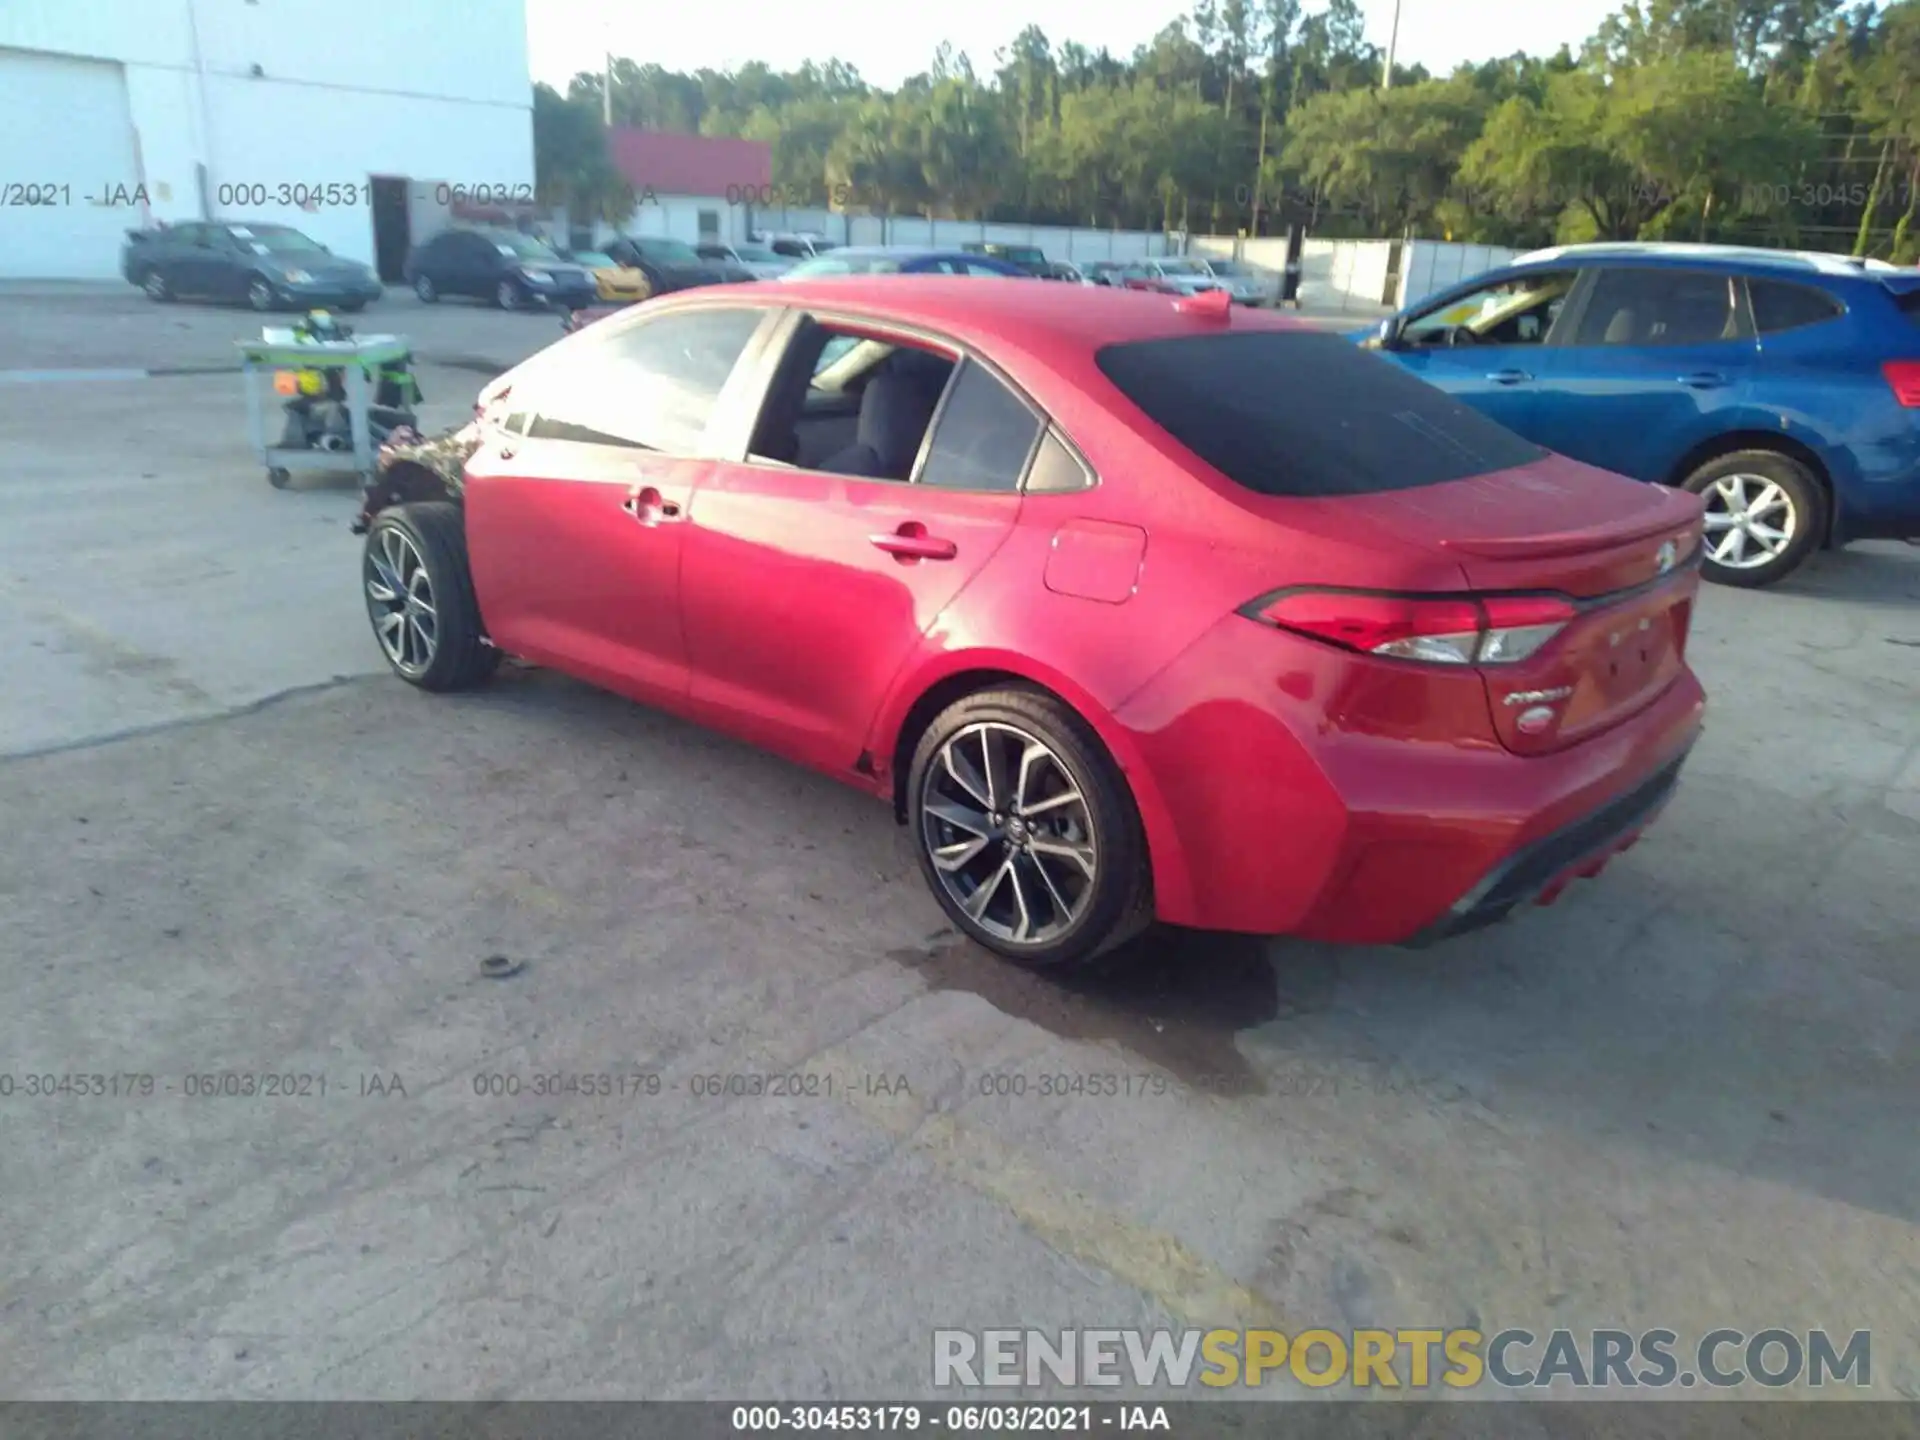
[[761, 262], [1248, 284]]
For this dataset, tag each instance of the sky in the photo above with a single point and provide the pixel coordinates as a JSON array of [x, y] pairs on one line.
[[887, 40]]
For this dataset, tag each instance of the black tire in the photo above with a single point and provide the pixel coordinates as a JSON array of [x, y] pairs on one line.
[[424, 287], [459, 657], [279, 477], [353, 307], [507, 295], [155, 284], [1805, 508], [1117, 902], [260, 295]]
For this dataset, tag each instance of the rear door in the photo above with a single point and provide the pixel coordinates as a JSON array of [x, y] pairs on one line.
[[1657, 356], [1488, 344], [805, 591], [575, 522]]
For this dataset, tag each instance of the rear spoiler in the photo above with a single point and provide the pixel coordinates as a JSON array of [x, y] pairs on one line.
[[1903, 284]]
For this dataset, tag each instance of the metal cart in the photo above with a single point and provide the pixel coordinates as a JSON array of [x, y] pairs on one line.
[[360, 357]]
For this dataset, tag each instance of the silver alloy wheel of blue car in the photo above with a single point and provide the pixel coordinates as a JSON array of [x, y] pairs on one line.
[[1750, 521], [400, 602]]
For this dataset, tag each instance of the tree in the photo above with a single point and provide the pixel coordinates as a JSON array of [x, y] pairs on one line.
[[571, 165]]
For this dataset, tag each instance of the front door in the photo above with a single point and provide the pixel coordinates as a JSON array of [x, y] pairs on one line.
[[575, 523], [1484, 344], [1655, 357], [807, 589]]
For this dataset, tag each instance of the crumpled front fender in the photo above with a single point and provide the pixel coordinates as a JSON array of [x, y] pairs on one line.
[[412, 467]]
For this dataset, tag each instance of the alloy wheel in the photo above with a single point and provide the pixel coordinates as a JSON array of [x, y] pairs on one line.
[[1009, 833], [260, 295], [508, 296], [423, 287], [1750, 521], [400, 600]]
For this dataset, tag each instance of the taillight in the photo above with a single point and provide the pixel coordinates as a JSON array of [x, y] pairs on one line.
[[1904, 377], [1437, 629]]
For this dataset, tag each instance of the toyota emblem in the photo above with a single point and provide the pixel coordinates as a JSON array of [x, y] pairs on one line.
[[1668, 556]]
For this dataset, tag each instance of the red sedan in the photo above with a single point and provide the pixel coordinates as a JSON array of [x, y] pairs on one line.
[[1130, 606]]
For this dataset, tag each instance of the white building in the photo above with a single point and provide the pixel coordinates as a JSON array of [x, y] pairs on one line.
[[359, 122]]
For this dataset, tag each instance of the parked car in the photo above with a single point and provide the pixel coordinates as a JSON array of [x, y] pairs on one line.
[[1063, 271], [1104, 272], [1030, 258], [514, 270], [270, 267], [794, 244], [901, 260], [614, 283], [1371, 687], [1782, 388], [671, 265], [758, 260], [1169, 275], [1247, 284]]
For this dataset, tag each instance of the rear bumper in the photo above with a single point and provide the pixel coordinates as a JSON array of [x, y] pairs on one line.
[[1537, 872]]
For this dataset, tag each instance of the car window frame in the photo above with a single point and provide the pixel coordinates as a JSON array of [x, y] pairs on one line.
[[1560, 330], [725, 403], [775, 340], [1589, 284]]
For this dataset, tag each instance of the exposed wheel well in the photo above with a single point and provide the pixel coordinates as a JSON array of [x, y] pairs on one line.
[[937, 698], [1761, 440], [405, 483]]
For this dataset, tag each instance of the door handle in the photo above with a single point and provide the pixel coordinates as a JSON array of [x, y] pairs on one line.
[[912, 542], [1509, 377], [646, 504], [1703, 380]]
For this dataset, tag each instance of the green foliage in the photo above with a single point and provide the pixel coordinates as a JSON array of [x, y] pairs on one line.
[[1757, 121]]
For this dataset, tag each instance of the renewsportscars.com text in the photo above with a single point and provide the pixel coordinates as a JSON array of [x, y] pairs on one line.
[[1413, 1359]]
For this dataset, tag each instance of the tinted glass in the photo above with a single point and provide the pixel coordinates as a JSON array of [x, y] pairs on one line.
[[1657, 306], [1779, 306], [1055, 469], [1291, 413], [983, 437], [651, 387]]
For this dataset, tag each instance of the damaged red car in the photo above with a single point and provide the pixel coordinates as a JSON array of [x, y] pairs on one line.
[[1131, 607]]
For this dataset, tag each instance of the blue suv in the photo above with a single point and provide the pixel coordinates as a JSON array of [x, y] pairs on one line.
[[1782, 387]]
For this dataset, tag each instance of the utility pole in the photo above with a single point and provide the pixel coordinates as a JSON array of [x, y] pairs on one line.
[[606, 94], [1393, 42]]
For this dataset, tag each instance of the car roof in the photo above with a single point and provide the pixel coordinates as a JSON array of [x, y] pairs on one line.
[[987, 310], [898, 252], [1733, 257]]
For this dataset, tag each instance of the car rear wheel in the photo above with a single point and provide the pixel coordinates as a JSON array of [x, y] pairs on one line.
[[507, 295], [423, 287], [157, 287], [420, 598], [260, 295], [1764, 516], [1026, 831]]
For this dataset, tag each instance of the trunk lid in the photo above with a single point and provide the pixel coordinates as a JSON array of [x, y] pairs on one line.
[[1622, 555]]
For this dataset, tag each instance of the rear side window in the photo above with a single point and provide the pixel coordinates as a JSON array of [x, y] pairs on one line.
[[1655, 305], [1301, 414], [1778, 305], [982, 437], [1909, 304]]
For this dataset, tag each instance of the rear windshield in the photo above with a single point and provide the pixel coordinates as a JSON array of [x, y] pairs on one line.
[[1297, 413]]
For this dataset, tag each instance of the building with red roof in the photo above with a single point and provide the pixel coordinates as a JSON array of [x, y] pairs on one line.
[[696, 188]]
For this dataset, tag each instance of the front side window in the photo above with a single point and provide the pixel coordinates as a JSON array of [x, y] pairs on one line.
[[983, 436], [652, 387], [1520, 310], [1654, 305]]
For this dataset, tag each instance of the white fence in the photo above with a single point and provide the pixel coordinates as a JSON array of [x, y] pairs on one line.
[[1428, 266], [1060, 242], [1366, 277]]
